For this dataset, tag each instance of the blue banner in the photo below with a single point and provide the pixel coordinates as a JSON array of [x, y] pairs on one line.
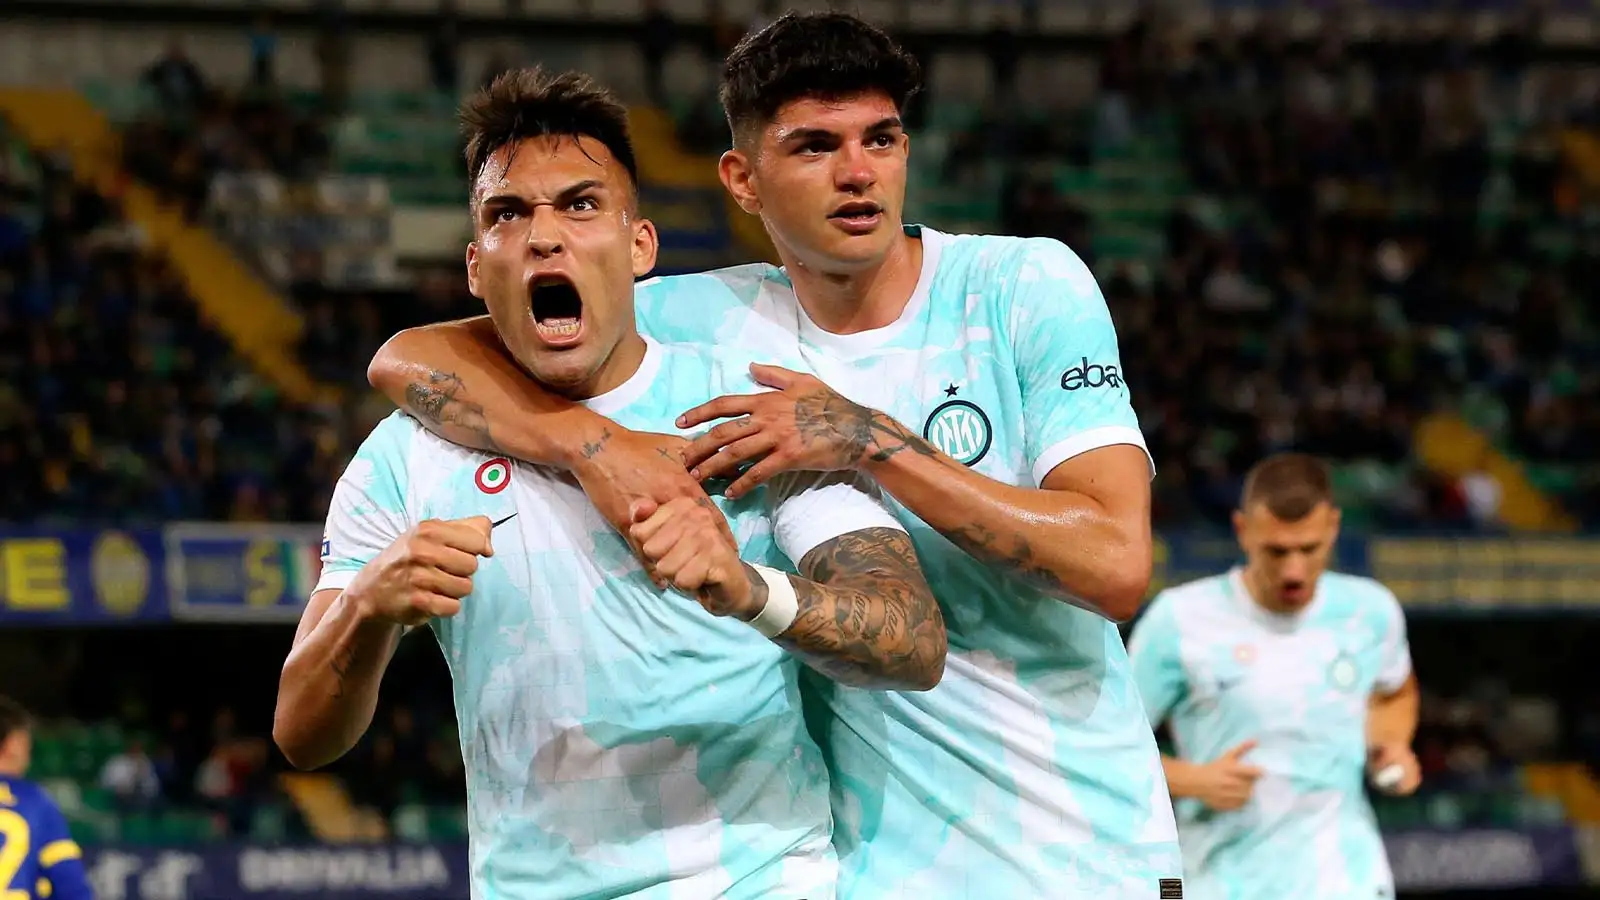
[[81, 576], [242, 572], [242, 872], [1485, 859], [1421, 860], [234, 572]]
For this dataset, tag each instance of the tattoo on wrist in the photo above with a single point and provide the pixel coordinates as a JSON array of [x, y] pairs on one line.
[[591, 449], [437, 401], [890, 437], [852, 433]]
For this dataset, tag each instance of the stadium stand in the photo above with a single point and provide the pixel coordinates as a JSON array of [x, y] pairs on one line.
[[1378, 251]]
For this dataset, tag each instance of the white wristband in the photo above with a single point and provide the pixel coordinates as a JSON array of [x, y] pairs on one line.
[[782, 604]]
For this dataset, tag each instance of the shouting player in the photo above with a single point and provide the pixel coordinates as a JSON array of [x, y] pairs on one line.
[[618, 741], [974, 378], [38, 857], [1283, 683]]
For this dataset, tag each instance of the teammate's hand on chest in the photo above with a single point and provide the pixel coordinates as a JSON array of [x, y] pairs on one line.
[[424, 573], [803, 425], [685, 544]]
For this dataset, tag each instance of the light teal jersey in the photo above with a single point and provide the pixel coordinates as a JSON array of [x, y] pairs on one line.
[[1030, 770], [619, 741], [1222, 670]]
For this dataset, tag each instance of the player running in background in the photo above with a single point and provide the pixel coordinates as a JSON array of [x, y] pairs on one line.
[[1283, 683], [619, 741], [38, 857], [974, 378]]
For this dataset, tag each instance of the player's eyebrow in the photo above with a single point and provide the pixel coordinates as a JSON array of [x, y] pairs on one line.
[[510, 198], [805, 135]]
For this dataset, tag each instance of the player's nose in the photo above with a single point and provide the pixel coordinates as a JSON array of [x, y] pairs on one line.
[[544, 234], [854, 170]]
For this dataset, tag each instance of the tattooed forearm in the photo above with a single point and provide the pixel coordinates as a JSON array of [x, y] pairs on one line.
[[867, 617], [1015, 555], [852, 432], [437, 401], [343, 661]]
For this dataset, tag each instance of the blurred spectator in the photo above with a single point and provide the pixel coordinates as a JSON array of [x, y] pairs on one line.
[[176, 79], [263, 53], [131, 778]]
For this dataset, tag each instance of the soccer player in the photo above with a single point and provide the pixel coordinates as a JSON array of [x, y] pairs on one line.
[[619, 741], [38, 857], [1283, 683], [974, 378]]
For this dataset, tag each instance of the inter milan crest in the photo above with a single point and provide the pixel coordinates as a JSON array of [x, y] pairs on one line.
[[959, 429], [1342, 672]]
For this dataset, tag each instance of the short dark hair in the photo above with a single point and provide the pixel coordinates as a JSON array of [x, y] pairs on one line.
[[531, 103], [13, 718], [1290, 484], [827, 55]]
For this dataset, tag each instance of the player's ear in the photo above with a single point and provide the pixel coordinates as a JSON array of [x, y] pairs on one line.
[[1333, 526], [646, 244], [1238, 524], [736, 172], [472, 269]]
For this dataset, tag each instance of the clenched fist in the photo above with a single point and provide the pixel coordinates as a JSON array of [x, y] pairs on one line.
[[685, 543], [424, 573], [1228, 781]]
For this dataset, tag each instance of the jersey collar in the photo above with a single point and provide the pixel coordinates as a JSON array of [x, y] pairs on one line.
[[620, 397], [847, 345]]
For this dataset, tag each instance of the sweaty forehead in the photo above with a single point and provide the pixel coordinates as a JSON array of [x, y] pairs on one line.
[[541, 165], [840, 114]]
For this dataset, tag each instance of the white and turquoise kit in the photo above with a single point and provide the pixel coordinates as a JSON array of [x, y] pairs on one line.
[[1030, 771], [1222, 670], [619, 741]]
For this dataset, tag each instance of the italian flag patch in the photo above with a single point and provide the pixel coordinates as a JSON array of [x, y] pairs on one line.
[[493, 476]]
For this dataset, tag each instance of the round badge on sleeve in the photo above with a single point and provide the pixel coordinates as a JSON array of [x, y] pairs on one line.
[[493, 476]]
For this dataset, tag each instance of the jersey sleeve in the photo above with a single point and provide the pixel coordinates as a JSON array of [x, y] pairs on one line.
[[1157, 665], [368, 511], [1074, 396], [1394, 652], [60, 857], [811, 508]]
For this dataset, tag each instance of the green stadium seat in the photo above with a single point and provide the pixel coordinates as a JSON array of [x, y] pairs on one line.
[[270, 824], [447, 823], [410, 823], [139, 828], [85, 832], [98, 799], [49, 757]]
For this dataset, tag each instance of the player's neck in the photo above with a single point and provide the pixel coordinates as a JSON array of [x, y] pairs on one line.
[[624, 361], [859, 301]]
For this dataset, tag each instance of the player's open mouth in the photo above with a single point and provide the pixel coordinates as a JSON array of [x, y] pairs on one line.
[[557, 310], [857, 217]]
